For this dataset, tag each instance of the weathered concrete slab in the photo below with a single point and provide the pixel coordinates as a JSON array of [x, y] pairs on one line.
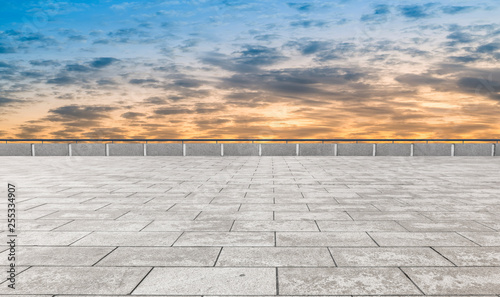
[[279, 149], [203, 149], [51, 149], [473, 149], [126, 149], [393, 149], [241, 149], [355, 149], [164, 149], [88, 149], [317, 149], [432, 149], [15, 149]]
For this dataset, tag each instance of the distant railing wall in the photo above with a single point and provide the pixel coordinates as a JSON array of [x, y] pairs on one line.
[[249, 147]]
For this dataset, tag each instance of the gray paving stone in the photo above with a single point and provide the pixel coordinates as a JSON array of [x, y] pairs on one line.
[[379, 256], [359, 226], [161, 256], [78, 280], [483, 238], [456, 280], [420, 239], [274, 226], [225, 216], [189, 226], [226, 239], [103, 225], [40, 225], [145, 215], [311, 215], [59, 256], [344, 281], [209, 281], [49, 238], [84, 214], [274, 257], [273, 207], [472, 256], [449, 226], [387, 215], [323, 239], [129, 239]]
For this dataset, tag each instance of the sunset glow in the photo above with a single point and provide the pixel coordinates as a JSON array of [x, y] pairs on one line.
[[249, 69]]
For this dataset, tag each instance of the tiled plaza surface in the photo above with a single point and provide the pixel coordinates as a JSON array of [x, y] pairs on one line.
[[260, 226]]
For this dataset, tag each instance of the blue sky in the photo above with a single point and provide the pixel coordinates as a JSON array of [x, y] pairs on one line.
[[309, 69]]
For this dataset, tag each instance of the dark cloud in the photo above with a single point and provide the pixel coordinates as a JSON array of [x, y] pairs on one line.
[[188, 83], [61, 80], [81, 112], [457, 9], [139, 81], [77, 68], [379, 14], [6, 49], [155, 101], [416, 11], [44, 63], [419, 80], [308, 23], [106, 82], [102, 62], [5, 65], [489, 48], [460, 37], [8, 101], [302, 7], [31, 74], [249, 59], [465, 59], [480, 86], [132, 115], [170, 111], [29, 130]]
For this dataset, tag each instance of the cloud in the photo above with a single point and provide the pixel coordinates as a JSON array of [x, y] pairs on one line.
[[132, 115], [7, 101], [61, 80], [5, 65], [460, 37], [6, 49], [457, 9], [416, 11], [489, 48], [82, 112], [302, 7], [419, 80], [308, 23], [379, 14], [480, 86], [102, 62], [77, 68], [249, 59], [139, 81], [170, 111], [44, 63], [155, 101]]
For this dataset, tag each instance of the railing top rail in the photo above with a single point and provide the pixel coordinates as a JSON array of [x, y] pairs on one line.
[[237, 139]]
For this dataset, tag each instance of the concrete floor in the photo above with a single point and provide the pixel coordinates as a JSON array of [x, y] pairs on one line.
[[254, 226]]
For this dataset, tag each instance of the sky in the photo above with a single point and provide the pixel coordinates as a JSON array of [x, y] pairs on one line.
[[249, 69]]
